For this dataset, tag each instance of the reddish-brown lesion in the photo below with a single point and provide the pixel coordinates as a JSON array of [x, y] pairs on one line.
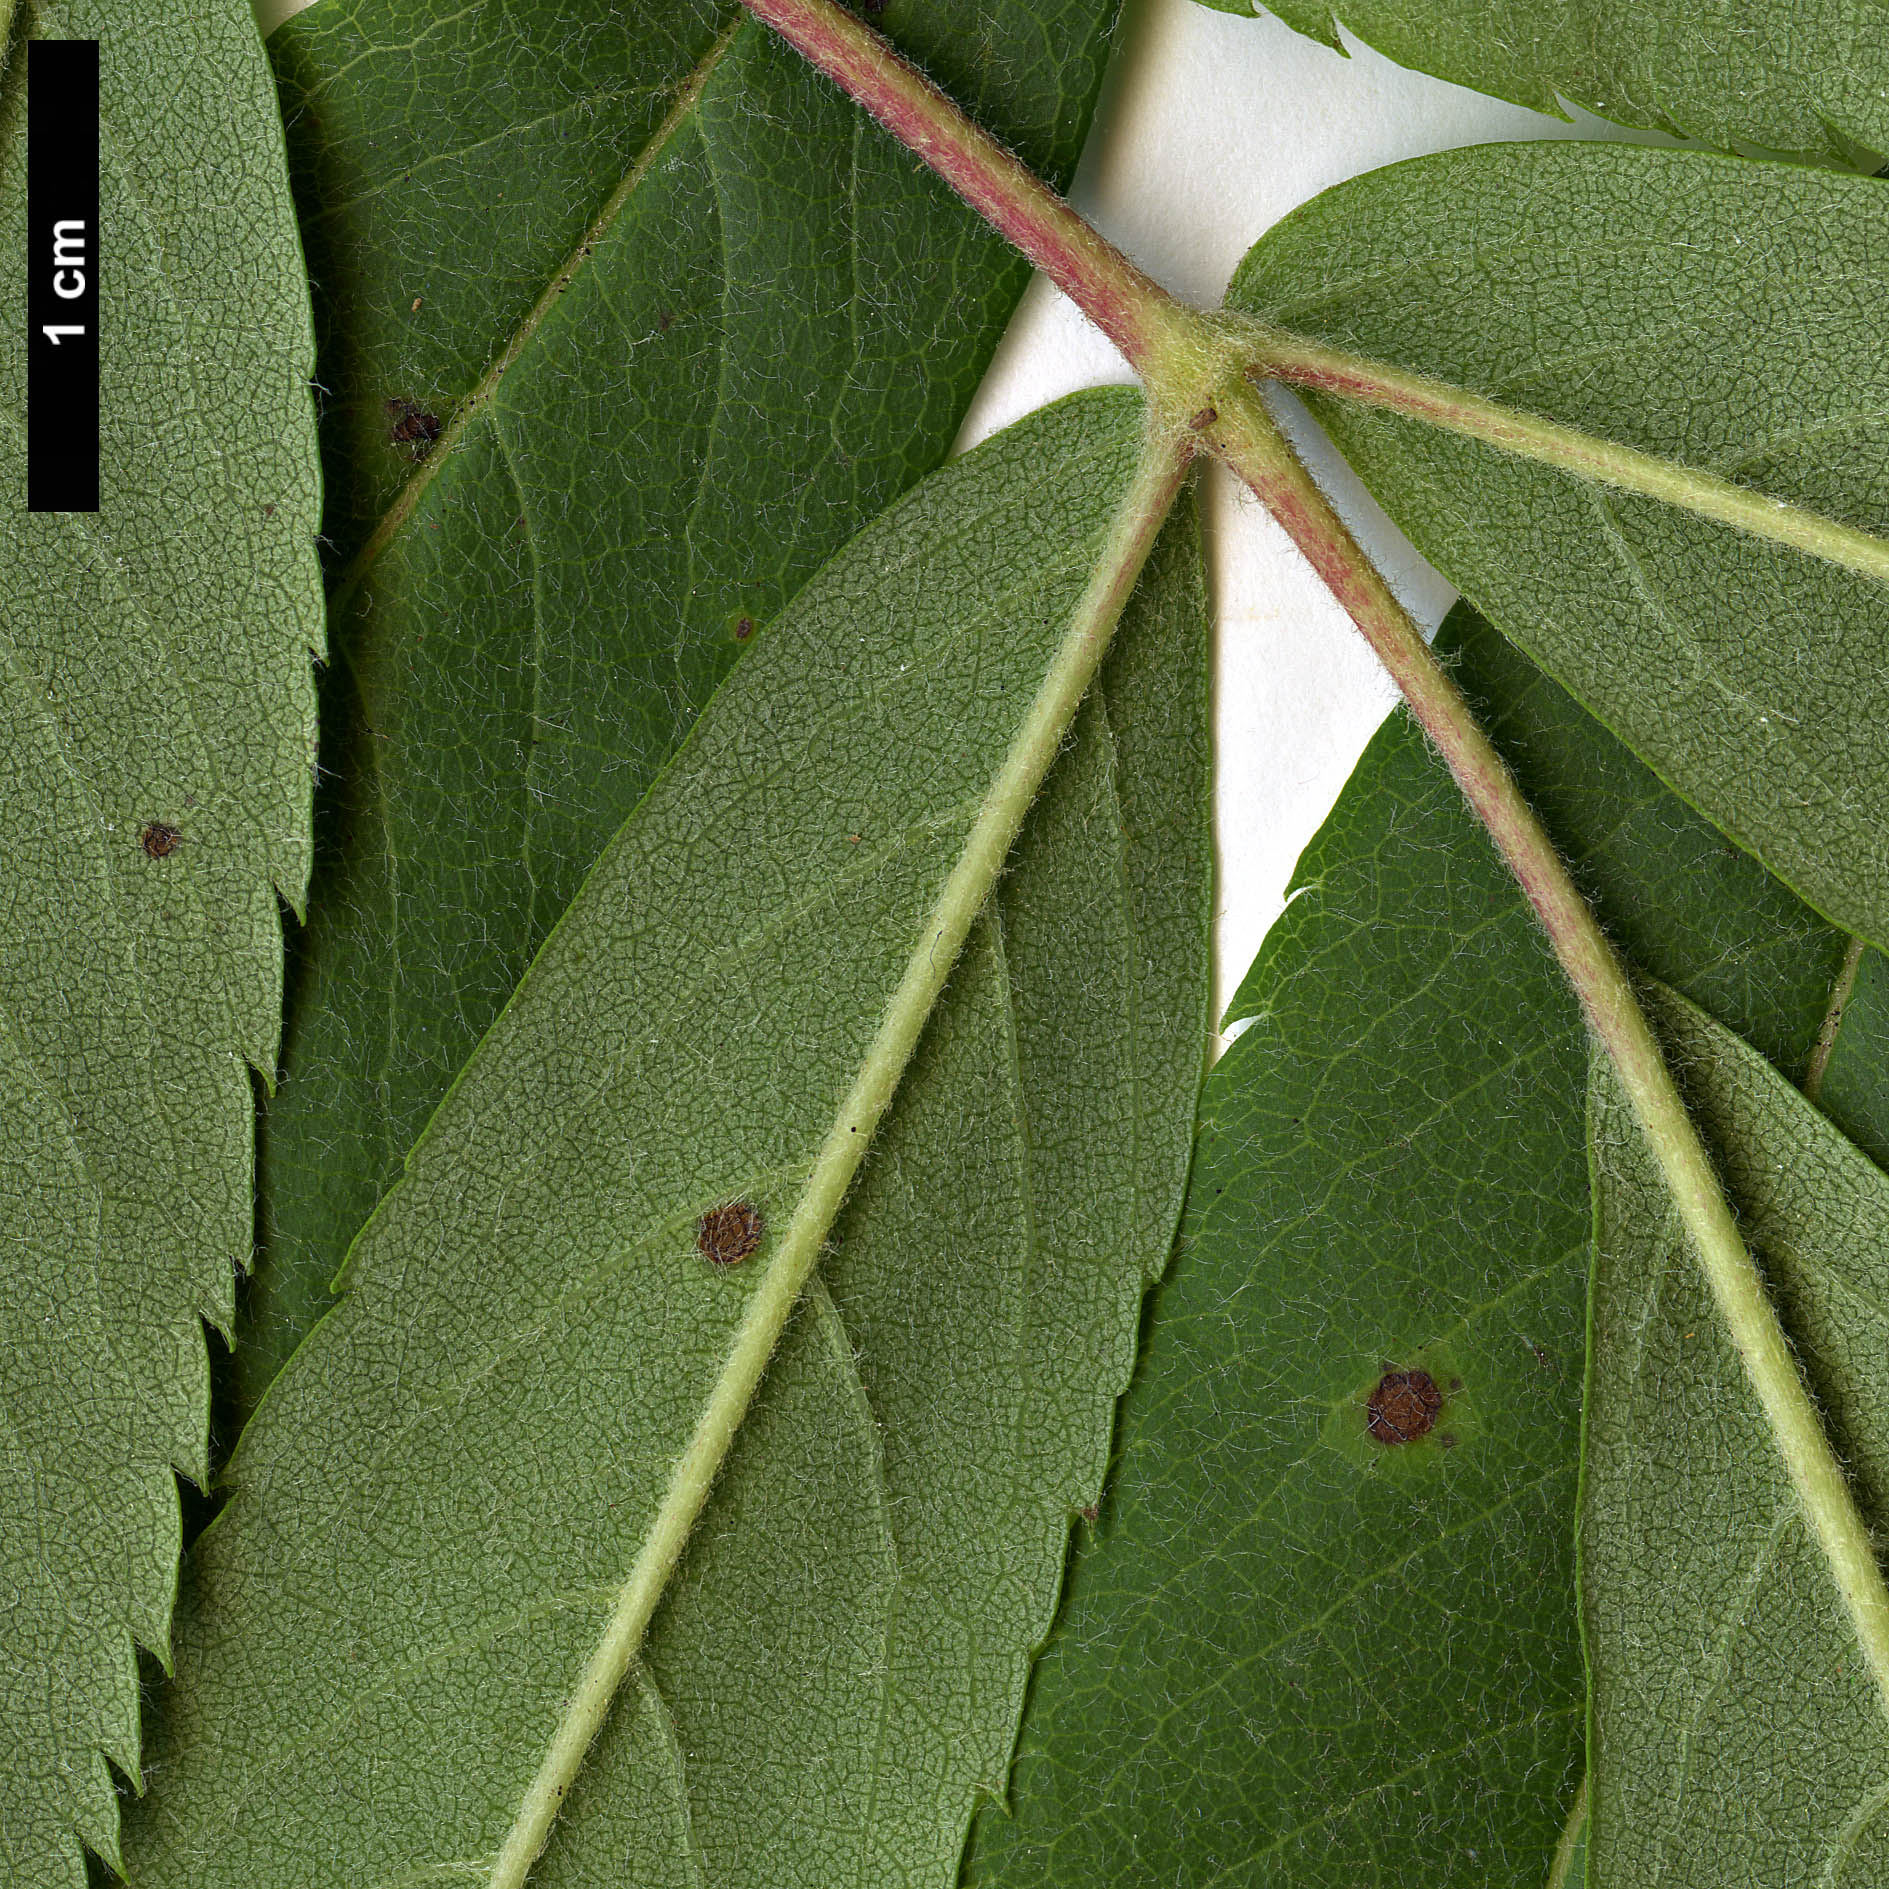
[[1402, 1407], [730, 1233]]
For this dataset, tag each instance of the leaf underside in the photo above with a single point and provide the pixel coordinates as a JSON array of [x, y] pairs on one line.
[[1296, 1655], [1728, 316], [1738, 1734], [1802, 76], [734, 321], [156, 730], [432, 1511]]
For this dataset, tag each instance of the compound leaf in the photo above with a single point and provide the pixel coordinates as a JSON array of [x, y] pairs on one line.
[[627, 322], [432, 1513]]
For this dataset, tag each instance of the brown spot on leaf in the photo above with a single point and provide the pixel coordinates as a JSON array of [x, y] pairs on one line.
[[160, 841], [744, 628], [1090, 1511], [664, 322], [725, 1236], [410, 425], [1204, 419], [1403, 1407]]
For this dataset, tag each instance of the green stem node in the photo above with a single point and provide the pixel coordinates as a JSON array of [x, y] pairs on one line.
[[1198, 372]]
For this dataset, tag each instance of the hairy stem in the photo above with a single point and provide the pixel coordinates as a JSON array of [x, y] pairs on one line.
[[1144, 510], [1192, 365], [1134, 311], [1253, 446], [1319, 369]]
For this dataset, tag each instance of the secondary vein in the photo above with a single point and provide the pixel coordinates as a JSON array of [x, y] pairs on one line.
[[1144, 509], [482, 395]]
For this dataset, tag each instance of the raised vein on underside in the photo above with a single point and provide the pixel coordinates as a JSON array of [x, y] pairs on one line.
[[1091, 623], [481, 396], [1842, 989], [1314, 366]]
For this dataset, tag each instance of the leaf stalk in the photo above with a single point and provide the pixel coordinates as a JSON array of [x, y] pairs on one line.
[[1313, 367], [1199, 385], [1145, 508], [1252, 445]]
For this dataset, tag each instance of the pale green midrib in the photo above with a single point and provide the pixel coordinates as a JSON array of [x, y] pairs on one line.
[[1570, 1836], [1312, 366], [486, 389], [1742, 1301], [937, 651], [1033, 750], [863, 865]]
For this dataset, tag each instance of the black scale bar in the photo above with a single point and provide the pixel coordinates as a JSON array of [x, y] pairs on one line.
[[62, 279]]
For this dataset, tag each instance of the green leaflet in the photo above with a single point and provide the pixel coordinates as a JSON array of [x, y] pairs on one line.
[[1808, 76], [1726, 1678], [156, 726], [685, 322], [433, 1510], [1293, 1655], [1729, 317]]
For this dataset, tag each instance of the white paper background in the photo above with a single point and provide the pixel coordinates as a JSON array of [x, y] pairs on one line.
[[1212, 128]]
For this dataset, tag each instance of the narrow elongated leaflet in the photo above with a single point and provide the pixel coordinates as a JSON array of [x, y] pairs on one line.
[[627, 324], [490, 1454], [156, 734]]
